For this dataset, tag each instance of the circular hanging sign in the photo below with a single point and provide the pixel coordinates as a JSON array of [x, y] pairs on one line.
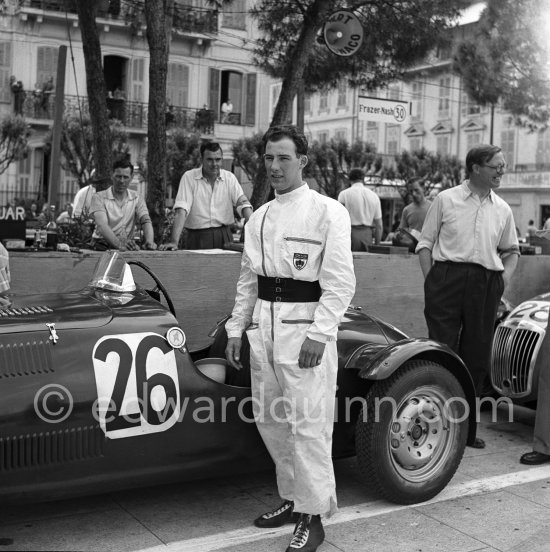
[[343, 33]]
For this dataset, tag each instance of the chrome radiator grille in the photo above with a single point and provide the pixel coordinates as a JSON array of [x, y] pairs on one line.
[[513, 358]]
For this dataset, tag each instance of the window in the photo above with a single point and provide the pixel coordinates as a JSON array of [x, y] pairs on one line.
[[393, 134], [323, 100], [393, 92], [442, 144], [240, 88], [138, 74], [372, 133], [5, 71], [507, 143], [234, 15], [444, 107], [177, 84], [322, 137], [342, 94], [307, 103], [543, 149], [469, 107], [472, 138], [46, 64], [341, 135], [417, 91], [24, 175], [415, 144]]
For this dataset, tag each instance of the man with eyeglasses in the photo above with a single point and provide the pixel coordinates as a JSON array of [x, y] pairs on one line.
[[468, 251]]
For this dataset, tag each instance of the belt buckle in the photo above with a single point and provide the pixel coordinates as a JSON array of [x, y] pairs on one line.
[[278, 290]]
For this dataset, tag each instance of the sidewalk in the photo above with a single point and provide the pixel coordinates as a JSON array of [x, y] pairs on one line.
[[493, 503]]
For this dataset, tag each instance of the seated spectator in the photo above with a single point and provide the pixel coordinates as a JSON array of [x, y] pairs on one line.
[[32, 212], [66, 216], [116, 211]]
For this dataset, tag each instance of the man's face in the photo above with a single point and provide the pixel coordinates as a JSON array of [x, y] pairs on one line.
[[211, 163], [121, 179], [491, 172], [284, 167], [416, 192]]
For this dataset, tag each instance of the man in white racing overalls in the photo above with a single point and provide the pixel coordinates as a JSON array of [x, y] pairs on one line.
[[296, 282]]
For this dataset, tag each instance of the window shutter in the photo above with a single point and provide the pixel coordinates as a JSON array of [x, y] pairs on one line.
[[46, 64], [250, 99], [177, 84], [214, 97], [138, 71], [5, 69]]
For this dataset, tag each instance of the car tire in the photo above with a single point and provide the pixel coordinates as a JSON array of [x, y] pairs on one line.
[[408, 446]]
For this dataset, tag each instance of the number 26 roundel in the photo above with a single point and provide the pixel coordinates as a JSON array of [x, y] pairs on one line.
[[137, 384]]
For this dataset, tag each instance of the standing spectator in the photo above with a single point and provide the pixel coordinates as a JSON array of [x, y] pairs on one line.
[[531, 230], [205, 201], [83, 200], [65, 216], [32, 211], [18, 95], [415, 212], [296, 282], [227, 109], [116, 211], [364, 209], [468, 252], [47, 91]]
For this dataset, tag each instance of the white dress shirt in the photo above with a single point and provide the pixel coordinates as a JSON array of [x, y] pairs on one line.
[[362, 204]]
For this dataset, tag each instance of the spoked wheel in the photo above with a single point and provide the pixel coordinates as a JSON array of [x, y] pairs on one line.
[[411, 437], [159, 286]]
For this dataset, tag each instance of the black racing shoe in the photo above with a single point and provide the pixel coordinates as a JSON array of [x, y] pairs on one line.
[[308, 534], [276, 518]]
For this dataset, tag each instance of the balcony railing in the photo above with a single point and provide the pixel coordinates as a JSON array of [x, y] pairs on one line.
[[187, 18], [40, 107]]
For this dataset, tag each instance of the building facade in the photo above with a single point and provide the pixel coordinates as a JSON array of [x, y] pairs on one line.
[[208, 64]]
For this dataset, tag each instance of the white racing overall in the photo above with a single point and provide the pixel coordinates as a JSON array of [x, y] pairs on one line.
[[304, 236]]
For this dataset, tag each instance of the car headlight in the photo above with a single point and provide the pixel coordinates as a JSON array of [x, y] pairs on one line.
[[540, 315]]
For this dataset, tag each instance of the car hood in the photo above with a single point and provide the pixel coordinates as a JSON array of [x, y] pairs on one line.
[[534, 311], [65, 310]]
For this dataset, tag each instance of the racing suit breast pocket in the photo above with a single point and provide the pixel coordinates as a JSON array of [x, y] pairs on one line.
[[302, 254]]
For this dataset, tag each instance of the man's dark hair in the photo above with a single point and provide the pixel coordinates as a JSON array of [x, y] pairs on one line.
[[210, 146], [417, 180], [276, 133], [479, 155], [356, 174], [123, 163]]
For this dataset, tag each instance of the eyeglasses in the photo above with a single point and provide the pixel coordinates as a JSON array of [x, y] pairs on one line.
[[498, 168]]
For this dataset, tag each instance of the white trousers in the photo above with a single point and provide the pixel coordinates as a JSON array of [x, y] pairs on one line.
[[294, 407]]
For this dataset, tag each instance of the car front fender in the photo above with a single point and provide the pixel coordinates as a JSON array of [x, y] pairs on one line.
[[378, 364]]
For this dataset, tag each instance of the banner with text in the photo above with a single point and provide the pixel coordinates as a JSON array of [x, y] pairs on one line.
[[383, 111]]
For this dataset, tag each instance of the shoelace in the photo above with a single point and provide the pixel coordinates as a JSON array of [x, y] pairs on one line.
[[301, 534], [278, 511]]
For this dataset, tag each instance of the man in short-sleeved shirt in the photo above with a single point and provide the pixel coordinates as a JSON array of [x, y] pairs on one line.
[[414, 213], [205, 202], [364, 209], [4, 270], [116, 211], [468, 251]]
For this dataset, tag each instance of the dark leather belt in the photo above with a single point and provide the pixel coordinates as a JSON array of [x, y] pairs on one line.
[[288, 290]]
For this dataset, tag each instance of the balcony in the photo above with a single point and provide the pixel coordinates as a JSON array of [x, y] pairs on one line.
[[187, 19], [39, 109]]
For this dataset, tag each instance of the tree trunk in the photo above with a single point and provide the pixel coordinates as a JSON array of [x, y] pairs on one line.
[[97, 93], [314, 18], [158, 15]]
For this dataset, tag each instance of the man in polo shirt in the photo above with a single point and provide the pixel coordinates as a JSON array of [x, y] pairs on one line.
[[468, 251], [116, 211], [205, 201]]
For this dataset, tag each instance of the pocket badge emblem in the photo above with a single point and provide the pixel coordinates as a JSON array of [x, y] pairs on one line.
[[300, 260]]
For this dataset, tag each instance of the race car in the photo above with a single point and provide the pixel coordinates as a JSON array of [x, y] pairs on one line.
[[518, 353], [100, 392]]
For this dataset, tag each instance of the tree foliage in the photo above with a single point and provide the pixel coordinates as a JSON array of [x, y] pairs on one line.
[[182, 154], [77, 141], [432, 167], [508, 60], [14, 136], [397, 34]]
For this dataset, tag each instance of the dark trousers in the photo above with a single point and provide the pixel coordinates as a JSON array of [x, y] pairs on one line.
[[209, 238], [461, 301], [361, 237]]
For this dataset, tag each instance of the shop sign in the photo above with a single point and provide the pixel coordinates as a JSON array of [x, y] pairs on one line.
[[526, 179], [387, 192], [383, 111]]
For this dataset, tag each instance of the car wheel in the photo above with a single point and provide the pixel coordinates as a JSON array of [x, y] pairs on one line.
[[412, 438]]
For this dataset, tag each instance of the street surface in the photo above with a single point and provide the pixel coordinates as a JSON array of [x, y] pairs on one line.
[[493, 503]]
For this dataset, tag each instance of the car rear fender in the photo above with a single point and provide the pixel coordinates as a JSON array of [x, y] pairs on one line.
[[383, 363]]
